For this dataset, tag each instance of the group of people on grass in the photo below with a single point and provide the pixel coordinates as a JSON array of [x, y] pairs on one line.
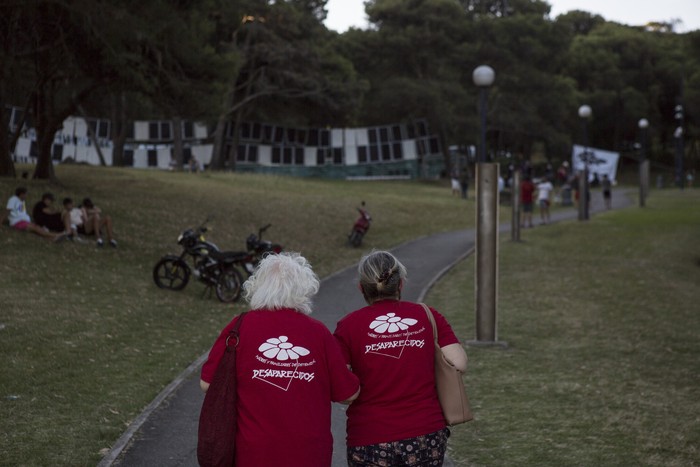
[[57, 224], [289, 367]]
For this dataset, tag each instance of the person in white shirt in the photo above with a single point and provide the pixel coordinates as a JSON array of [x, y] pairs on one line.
[[19, 218], [544, 194]]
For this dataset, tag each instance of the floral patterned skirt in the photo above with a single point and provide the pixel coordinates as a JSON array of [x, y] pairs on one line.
[[421, 451]]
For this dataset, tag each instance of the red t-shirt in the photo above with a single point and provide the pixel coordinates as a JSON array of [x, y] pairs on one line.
[[289, 369], [527, 189], [390, 347]]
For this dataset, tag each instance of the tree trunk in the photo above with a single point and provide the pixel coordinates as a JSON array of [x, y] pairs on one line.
[[177, 152], [93, 138], [118, 130], [233, 150], [45, 132], [445, 147], [7, 166], [218, 149]]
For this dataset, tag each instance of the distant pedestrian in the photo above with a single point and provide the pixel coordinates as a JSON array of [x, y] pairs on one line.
[[562, 174], [544, 199], [464, 176], [527, 191], [607, 191], [454, 181]]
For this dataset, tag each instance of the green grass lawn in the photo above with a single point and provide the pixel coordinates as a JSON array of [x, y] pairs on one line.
[[87, 340], [602, 319]]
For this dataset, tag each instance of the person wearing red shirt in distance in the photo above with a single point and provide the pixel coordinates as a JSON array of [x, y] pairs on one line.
[[527, 193], [288, 370], [397, 419]]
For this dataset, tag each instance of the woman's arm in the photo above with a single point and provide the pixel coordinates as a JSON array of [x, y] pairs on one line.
[[455, 354], [349, 400]]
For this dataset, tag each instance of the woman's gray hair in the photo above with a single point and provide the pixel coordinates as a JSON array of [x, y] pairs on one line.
[[285, 280], [381, 275]]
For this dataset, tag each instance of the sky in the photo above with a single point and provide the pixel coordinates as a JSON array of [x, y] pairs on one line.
[[342, 14]]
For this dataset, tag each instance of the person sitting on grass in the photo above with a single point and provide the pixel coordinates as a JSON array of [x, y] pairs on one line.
[[45, 216], [92, 223], [19, 218]]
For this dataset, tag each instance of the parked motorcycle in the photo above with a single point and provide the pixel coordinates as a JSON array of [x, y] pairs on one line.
[[257, 249], [215, 268], [360, 228]]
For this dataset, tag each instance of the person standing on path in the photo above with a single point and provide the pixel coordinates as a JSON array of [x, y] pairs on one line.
[[397, 419], [527, 191], [607, 191], [464, 177], [544, 199], [288, 370]]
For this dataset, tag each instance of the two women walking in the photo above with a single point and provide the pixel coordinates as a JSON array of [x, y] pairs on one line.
[[380, 362]]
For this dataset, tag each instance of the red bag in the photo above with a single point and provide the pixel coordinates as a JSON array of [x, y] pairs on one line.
[[216, 442]]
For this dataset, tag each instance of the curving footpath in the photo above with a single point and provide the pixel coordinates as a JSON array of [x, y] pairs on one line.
[[165, 434]]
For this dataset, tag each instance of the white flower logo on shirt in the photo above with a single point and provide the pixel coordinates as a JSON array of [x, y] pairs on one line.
[[282, 350], [391, 323]]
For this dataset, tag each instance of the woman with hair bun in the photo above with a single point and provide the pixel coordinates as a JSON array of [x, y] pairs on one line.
[[397, 419], [289, 369]]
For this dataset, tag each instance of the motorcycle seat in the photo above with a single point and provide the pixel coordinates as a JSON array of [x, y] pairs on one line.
[[228, 256]]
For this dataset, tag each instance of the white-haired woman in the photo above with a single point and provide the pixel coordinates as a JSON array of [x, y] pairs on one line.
[[397, 419], [289, 368]]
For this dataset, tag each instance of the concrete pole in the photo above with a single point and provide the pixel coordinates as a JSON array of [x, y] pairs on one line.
[[645, 178], [642, 194], [515, 205], [643, 164], [487, 252], [582, 198]]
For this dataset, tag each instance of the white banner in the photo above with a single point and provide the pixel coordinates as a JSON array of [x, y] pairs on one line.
[[600, 162]]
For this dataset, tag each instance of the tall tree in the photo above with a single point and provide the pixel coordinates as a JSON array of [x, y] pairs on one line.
[[289, 72], [76, 49], [414, 59]]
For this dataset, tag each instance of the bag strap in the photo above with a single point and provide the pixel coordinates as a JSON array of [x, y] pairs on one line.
[[432, 321], [234, 333]]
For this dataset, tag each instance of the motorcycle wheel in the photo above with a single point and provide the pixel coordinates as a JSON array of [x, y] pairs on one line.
[[171, 274], [355, 238], [228, 285]]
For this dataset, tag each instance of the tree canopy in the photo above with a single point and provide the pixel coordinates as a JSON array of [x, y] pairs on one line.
[[224, 62]]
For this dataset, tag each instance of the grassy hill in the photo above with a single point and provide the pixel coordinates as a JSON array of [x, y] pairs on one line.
[[87, 340], [601, 317]]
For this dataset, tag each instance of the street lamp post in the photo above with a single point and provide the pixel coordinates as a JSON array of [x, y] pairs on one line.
[[483, 77], [584, 112], [643, 163], [678, 134], [487, 225]]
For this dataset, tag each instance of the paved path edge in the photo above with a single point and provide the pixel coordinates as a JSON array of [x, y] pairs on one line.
[[134, 426]]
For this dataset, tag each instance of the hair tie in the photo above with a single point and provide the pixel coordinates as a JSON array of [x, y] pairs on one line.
[[384, 277]]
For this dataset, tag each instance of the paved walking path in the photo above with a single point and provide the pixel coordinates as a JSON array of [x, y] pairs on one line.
[[165, 434]]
